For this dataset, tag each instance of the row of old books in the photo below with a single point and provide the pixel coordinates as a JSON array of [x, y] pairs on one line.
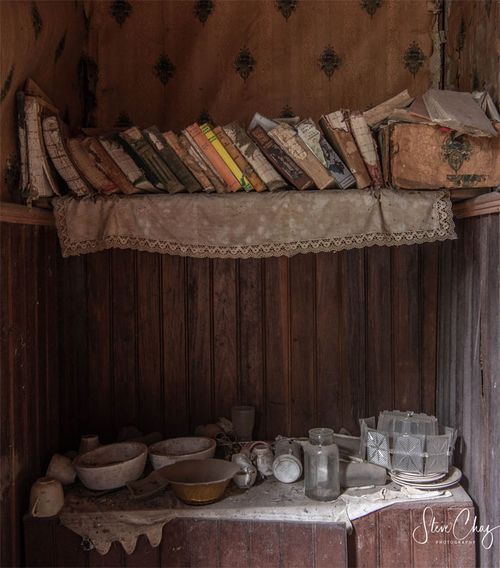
[[339, 153]]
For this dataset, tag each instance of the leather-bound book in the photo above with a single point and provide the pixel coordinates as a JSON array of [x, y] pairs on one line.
[[319, 146], [56, 148], [224, 154], [213, 157], [281, 160], [87, 165], [270, 177], [111, 143], [286, 136], [367, 146], [188, 160], [150, 162], [108, 166], [181, 172], [191, 147], [337, 132], [239, 159]]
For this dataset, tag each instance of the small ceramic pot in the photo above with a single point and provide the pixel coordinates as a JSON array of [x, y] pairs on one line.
[[46, 497], [88, 442], [61, 468], [246, 477]]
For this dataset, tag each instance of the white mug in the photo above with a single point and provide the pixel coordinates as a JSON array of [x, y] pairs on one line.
[[46, 497], [61, 468]]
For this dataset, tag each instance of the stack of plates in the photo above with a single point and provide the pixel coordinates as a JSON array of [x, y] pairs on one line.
[[431, 481]]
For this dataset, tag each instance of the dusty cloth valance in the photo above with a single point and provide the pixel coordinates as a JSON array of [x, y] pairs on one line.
[[250, 225]]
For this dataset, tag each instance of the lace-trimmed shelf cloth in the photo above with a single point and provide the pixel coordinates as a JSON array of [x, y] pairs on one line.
[[250, 225]]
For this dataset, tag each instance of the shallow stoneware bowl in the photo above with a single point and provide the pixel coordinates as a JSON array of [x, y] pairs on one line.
[[199, 482], [168, 452], [111, 466]]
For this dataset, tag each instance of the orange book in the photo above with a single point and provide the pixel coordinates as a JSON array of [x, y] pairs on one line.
[[211, 154]]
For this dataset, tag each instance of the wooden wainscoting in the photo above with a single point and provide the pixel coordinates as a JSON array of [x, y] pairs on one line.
[[168, 343]]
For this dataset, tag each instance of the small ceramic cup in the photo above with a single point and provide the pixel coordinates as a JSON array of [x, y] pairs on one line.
[[61, 468], [46, 497], [243, 419], [88, 442]]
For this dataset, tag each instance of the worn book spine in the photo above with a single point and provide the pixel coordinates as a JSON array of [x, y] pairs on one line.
[[213, 156], [281, 160], [134, 174], [286, 137], [379, 113], [367, 146], [86, 164], [337, 132], [240, 161], [41, 182], [56, 149], [191, 147], [224, 154], [267, 173], [151, 163], [189, 161], [23, 143], [156, 139], [108, 166]]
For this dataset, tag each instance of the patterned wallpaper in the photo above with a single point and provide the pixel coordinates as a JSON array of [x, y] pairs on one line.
[[171, 62], [42, 40]]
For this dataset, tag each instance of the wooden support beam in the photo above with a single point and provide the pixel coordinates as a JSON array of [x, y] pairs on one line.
[[481, 205], [24, 215]]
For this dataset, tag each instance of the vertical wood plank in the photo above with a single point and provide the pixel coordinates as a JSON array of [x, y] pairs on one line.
[[7, 507], [199, 342], [251, 344], [125, 389], [277, 321], [174, 346], [225, 338], [380, 388], [39, 542], [149, 358], [362, 543], [69, 550], [461, 542], [394, 538], [406, 329], [432, 553], [303, 345], [114, 558], [101, 418], [330, 542], [429, 269], [353, 353], [234, 544], [297, 545], [265, 555], [202, 540], [174, 546], [328, 341]]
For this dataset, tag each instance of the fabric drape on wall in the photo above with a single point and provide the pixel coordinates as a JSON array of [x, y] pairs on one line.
[[44, 41], [170, 62]]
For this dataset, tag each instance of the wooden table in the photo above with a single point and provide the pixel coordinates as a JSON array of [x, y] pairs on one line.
[[383, 538]]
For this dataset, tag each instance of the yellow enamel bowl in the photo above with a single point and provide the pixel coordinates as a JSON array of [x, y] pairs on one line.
[[199, 482]]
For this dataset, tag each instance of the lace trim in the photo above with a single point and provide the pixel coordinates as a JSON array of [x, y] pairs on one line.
[[444, 231]]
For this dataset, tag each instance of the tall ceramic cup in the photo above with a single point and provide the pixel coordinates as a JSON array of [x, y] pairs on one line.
[[61, 468], [46, 497], [88, 442], [243, 419]]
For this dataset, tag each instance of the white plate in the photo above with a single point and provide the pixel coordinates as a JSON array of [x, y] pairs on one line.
[[452, 478], [418, 478]]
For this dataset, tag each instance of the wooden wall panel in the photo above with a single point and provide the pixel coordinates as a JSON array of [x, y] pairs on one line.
[[311, 340], [469, 339], [29, 378]]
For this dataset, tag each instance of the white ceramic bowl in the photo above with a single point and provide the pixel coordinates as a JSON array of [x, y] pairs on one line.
[[168, 452], [111, 466]]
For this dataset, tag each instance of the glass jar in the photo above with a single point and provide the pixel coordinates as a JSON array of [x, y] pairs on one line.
[[321, 468]]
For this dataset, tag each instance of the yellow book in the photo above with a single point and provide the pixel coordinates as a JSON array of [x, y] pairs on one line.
[[223, 153]]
